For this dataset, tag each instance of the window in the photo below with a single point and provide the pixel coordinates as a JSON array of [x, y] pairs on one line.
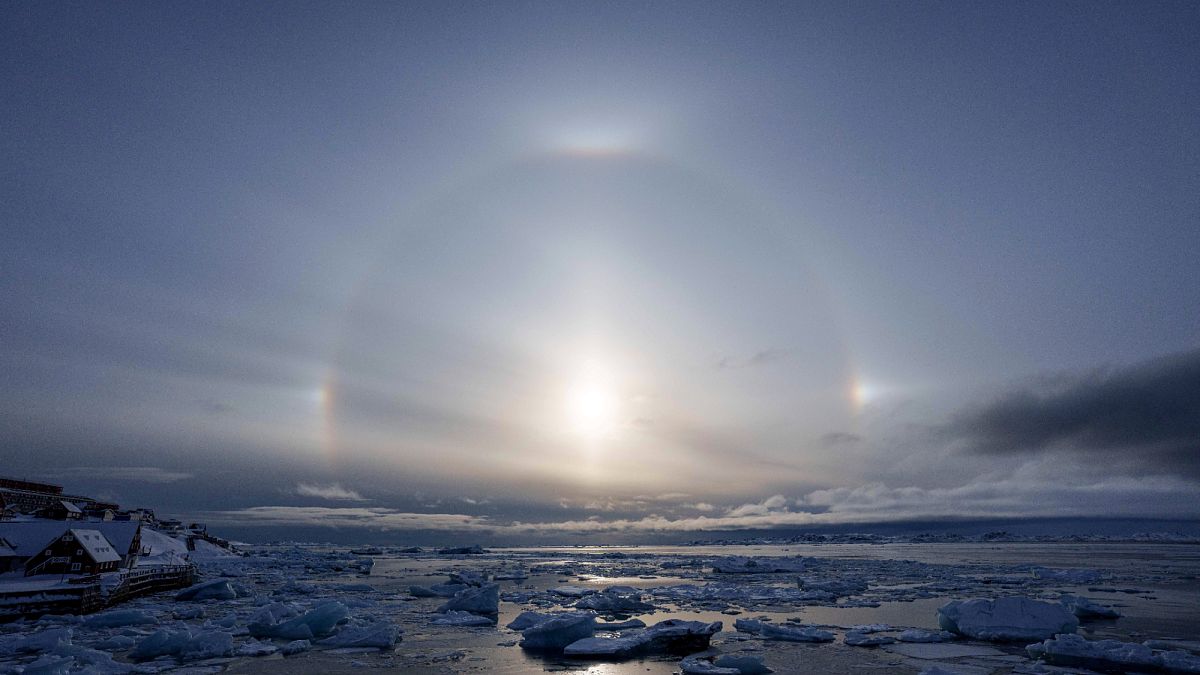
[[67, 537], [47, 551], [78, 551], [74, 567]]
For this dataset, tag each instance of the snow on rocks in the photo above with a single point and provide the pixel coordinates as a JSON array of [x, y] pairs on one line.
[[476, 600], [665, 636], [284, 621], [798, 633], [558, 631], [1076, 651], [1085, 608], [1006, 619]]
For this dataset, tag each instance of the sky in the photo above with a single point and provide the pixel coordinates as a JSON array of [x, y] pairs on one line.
[[565, 269]]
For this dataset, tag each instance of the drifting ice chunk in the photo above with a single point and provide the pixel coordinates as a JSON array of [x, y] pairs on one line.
[[84, 660], [785, 633], [115, 643], [43, 641], [119, 618], [295, 647], [476, 600], [857, 639], [834, 587], [1075, 651], [1006, 619], [273, 621], [726, 664], [615, 599], [160, 643], [463, 550], [253, 647], [468, 578], [621, 625], [1085, 608], [572, 591], [666, 636], [457, 618], [381, 635], [527, 620], [1067, 576], [219, 589], [437, 590], [918, 635], [559, 631], [207, 645]]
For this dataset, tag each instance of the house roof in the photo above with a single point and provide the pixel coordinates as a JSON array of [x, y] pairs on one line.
[[28, 537], [71, 508], [96, 545]]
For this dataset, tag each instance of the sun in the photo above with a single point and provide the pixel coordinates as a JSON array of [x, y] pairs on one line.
[[592, 407]]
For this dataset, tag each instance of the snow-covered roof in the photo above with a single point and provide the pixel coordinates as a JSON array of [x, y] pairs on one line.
[[28, 537], [71, 508], [96, 545]]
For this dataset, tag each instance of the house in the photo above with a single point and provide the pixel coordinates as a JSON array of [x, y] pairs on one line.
[[76, 551], [61, 509], [30, 537]]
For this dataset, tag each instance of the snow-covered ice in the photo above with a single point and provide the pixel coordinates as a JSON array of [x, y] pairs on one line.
[[1006, 619]]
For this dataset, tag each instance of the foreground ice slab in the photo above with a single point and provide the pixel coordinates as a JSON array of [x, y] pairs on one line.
[[726, 664], [1006, 619], [476, 600], [770, 631], [279, 620], [1085, 608], [673, 635], [555, 633], [1076, 651], [458, 618]]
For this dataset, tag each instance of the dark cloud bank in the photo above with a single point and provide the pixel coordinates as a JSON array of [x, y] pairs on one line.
[[1145, 416]]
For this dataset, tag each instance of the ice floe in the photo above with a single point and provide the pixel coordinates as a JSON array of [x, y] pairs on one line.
[[1006, 619]]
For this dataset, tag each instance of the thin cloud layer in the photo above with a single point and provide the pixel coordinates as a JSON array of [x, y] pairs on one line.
[[334, 492]]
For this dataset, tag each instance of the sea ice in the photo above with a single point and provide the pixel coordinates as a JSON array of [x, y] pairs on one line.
[[857, 639], [615, 599], [770, 631], [279, 620], [559, 631], [380, 634], [253, 647], [1085, 608], [459, 618], [116, 618], [1076, 651], [527, 619], [918, 635], [207, 645], [665, 636], [42, 641], [218, 589], [1006, 619], [725, 664], [763, 565], [476, 600], [295, 647]]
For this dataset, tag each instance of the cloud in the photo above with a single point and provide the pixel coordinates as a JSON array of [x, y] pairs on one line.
[[839, 438], [1032, 491], [762, 508], [140, 474], [333, 492], [758, 358], [1145, 416]]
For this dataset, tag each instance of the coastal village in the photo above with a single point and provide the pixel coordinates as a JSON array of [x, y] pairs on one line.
[[64, 553]]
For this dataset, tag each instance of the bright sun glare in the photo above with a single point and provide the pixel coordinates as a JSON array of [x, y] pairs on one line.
[[591, 406]]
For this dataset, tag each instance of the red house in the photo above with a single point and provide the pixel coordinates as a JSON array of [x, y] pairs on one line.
[[76, 551]]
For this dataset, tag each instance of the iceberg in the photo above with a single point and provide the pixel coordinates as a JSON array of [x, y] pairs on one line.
[[1085, 608], [725, 664], [380, 635], [1006, 619], [558, 631], [673, 635], [476, 600], [1077, 652], [219, 589], [278, 620]]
